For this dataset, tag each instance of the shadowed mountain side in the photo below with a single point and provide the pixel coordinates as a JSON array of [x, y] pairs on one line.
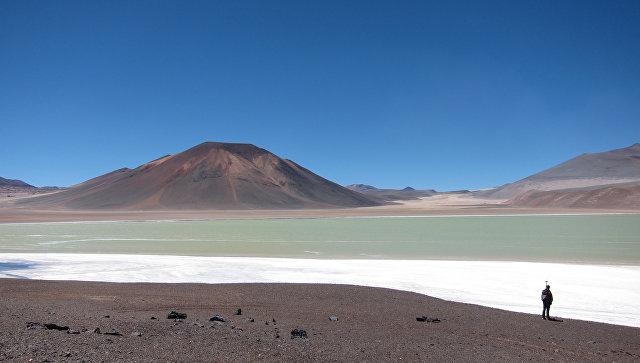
[[616, 196], [387, 195], [586, 170], [14, 183], [211, 175]]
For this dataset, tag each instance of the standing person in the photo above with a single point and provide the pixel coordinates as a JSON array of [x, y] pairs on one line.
[[547, 299]]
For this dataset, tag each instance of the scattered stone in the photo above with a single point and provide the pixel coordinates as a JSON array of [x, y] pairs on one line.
[[97, 331], [113, 332], [239, 312], [66, 354], [333, 318], [107, 316], [154, 318], [427, 319], [298, 333], [273, 320], [252, 320], [176, 315], [73, 332], [218, 318], [52, 326], [136, 334], [33, 325]]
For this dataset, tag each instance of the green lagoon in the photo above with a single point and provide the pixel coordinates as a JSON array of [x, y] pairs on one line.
[[592, 239]]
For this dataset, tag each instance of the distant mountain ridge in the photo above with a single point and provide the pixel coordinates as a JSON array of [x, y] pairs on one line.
[[212, 175], [389, 195], [14, 183], [587, 170]]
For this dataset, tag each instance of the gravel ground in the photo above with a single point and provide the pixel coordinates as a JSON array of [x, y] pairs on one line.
[[372, 324]]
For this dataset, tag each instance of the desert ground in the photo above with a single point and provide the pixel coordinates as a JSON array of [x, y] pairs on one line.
[[115, 321], [441, 204]]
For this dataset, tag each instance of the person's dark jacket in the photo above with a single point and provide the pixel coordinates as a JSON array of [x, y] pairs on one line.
[[547, 296]]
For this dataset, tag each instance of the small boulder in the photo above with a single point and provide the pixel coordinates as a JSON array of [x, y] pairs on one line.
[[136, 334], [176, 315], [74, 332], [218, 318], [298, 333], [52, 326], [333, 318], [34, 325], [239, 312], [113, 332], [426, 319]]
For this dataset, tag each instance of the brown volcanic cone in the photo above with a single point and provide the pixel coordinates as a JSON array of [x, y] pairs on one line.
[[211, 175]]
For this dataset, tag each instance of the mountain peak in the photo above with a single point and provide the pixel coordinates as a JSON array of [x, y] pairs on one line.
[[361, 187], [211, 175]]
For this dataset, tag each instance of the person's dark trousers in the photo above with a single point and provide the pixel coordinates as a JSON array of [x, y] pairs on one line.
[[545, 310]]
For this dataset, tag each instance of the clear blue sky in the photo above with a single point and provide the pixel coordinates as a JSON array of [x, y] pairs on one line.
[[446, 94]]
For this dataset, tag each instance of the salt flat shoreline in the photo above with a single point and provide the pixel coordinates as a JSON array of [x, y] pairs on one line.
[[546, 213], [372, 324]]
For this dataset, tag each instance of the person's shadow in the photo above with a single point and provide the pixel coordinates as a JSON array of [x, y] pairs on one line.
[[555, 319]]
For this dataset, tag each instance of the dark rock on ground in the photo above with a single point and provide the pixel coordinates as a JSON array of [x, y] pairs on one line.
[[239, 312], [176, 315], [52, 326], [298, 333], [427, 319], [33, 325], [218, 318]]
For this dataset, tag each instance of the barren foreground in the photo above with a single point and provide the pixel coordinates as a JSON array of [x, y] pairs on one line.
[[372, 324]]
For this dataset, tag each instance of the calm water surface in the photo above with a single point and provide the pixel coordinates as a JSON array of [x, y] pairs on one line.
[[608, 239]]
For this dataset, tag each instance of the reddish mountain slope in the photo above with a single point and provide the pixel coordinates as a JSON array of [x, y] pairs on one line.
[[211, 175], [616, 196]]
